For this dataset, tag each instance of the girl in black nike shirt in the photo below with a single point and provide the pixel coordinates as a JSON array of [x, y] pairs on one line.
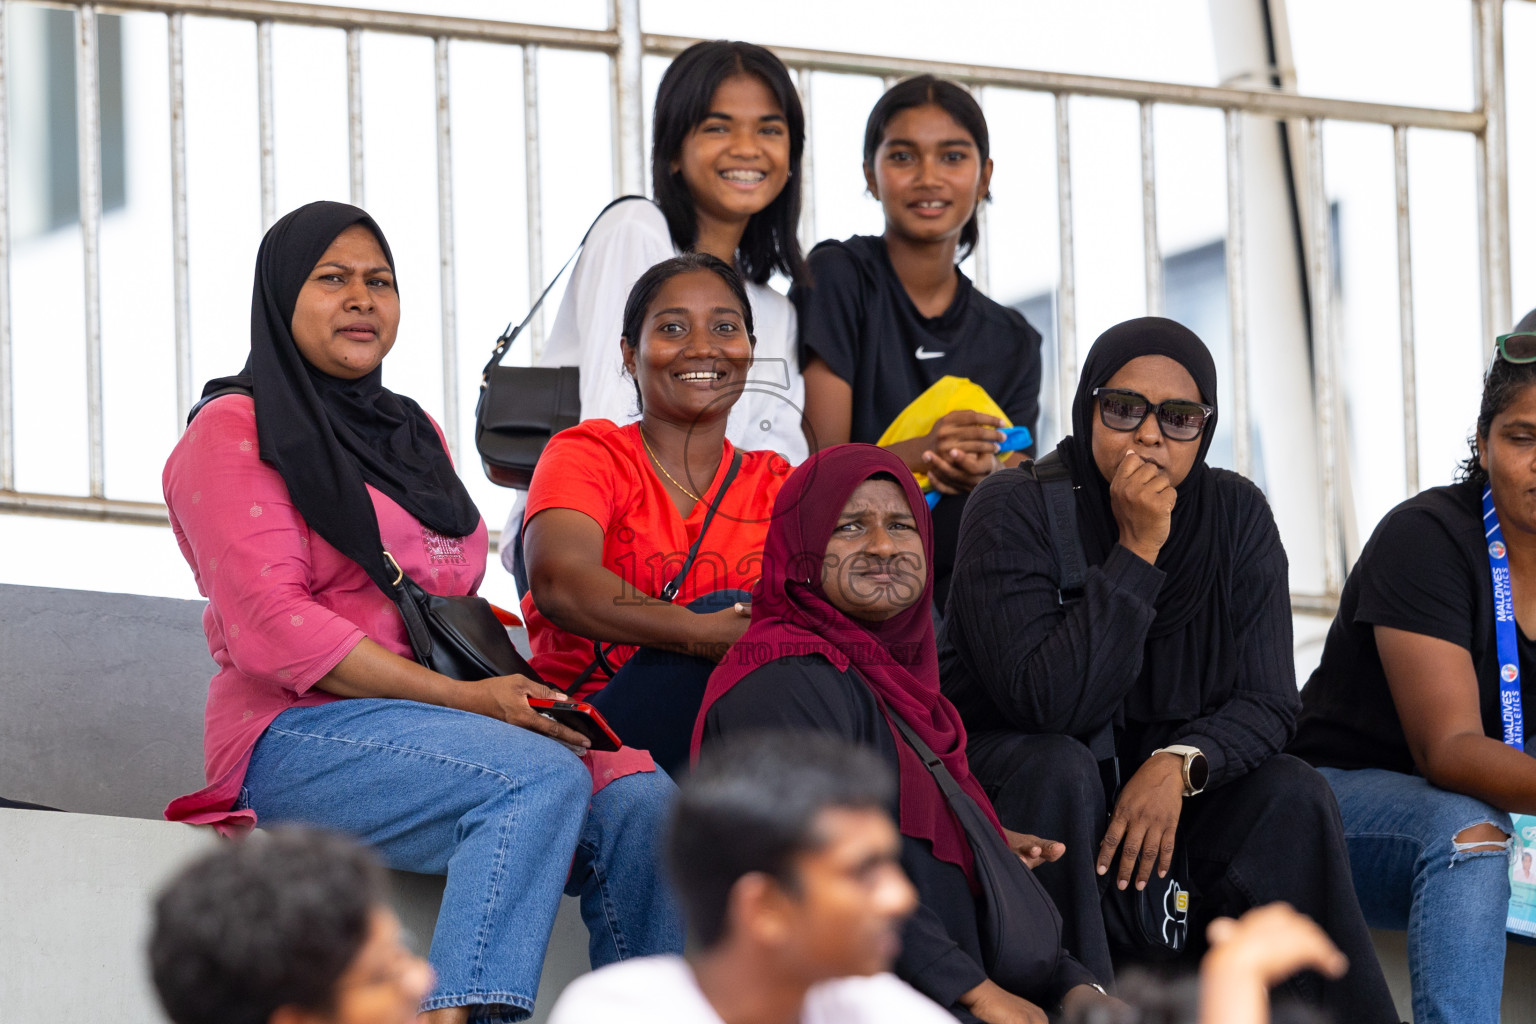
[[887, 316]]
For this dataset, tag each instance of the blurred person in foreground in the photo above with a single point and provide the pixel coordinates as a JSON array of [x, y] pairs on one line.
[[1248, 956], [787, 865], [286, 928]]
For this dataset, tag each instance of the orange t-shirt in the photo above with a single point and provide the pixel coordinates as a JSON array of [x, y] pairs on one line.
[[603, 471]]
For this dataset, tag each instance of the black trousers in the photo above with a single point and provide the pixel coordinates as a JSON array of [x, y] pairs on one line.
[[1272, 834]]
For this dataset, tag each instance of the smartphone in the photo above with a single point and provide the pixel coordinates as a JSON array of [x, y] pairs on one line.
[[580, 716]]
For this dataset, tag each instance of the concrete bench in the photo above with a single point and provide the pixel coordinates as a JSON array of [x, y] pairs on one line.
[[101, 714]]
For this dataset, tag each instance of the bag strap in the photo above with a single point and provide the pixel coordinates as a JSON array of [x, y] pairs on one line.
[[668, 592], [1061, 516], [510, 334], [233, 389], [935, 765]]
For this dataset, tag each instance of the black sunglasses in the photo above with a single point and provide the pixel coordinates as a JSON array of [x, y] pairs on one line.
[[1178, 418]]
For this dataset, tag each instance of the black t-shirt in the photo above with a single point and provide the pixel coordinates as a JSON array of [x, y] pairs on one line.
[[1424, 570], [859, 319]]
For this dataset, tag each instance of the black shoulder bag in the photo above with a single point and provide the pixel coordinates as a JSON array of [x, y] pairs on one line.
[[668, 593], [1151, 923], [522, 407], [458, 636], [1014, 903]]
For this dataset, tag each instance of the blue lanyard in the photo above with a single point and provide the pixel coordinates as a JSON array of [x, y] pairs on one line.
[[1504, 628]]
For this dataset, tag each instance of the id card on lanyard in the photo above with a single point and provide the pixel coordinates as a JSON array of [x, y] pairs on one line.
[[1504, 627]]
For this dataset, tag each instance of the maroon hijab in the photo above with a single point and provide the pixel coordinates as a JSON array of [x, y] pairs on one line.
[[896, 658]]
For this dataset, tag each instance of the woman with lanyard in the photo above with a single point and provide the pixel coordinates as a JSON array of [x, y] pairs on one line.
[[1166, 670], [841, 642], [633, 529], [1415, 713], [885, 317], [292, 482]]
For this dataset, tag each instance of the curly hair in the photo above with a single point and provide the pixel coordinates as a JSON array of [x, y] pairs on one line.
[[273, 921], [1502, 384]]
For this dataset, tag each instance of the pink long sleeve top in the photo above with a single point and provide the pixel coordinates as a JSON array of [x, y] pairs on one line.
[[284, 606]]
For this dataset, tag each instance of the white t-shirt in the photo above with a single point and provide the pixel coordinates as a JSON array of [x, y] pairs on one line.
[[625, 242], [663, 990]]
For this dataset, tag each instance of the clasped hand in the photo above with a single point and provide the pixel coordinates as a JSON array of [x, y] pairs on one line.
[[961, 450]]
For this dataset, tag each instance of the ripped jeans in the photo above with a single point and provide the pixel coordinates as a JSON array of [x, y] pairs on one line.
[[1451, 897]]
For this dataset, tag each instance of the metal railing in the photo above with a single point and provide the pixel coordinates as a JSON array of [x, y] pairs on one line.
[[625, 44]]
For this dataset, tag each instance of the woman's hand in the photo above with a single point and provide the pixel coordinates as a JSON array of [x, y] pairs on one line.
[[719, 630], [1033, 850], [996, 1005], [369, 670], [961, 451], [506, 698], [1142, 500], [1146, 818]]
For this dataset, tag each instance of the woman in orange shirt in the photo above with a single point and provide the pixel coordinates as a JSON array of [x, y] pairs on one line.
[[613, 513]]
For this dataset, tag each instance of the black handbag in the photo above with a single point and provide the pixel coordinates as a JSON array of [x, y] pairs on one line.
[[1014, 903], [522, 407], [458, 636]]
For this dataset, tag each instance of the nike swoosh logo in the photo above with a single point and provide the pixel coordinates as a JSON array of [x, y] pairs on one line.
[[922, 354]]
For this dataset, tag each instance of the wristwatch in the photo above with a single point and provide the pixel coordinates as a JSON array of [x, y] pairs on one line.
[[1197, 771]]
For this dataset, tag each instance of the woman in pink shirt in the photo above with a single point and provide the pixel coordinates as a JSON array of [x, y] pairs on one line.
[[285, 493]]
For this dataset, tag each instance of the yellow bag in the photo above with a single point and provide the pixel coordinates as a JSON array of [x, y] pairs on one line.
[[945, 396]]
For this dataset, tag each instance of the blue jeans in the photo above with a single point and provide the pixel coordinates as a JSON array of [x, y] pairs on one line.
[[1411, 873], [503, 812]]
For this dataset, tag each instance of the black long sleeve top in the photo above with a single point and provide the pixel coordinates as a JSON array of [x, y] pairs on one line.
[[1012, 656], [941, 944]]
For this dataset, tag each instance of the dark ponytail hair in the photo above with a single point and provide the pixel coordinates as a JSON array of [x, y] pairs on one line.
[[955, 101], [1502, 384], [682, 103]]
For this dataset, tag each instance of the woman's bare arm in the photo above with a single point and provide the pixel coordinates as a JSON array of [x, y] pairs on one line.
[[1434, 687], [572, 588]]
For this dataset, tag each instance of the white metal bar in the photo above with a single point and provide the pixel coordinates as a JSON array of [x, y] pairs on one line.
[[1237, 294], [1253, 101], [1066, 291], [450, 422], [1492, 168], [1152, 251], [803, 79], [629, 118], [180, 261], [355, 114], [1405, 311], [75, 507], [535, 194], [264, 124], [1320, 287], [983, 251], [88, 119], [397, 22], [7, 381]]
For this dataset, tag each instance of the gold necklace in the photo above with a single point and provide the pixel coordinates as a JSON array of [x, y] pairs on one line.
[[663, 469]]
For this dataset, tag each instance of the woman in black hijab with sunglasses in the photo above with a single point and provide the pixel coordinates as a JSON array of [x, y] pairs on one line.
[[1415, 715], [1135, 708]]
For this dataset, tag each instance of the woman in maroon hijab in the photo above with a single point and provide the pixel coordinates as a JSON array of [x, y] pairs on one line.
[[841, 639]]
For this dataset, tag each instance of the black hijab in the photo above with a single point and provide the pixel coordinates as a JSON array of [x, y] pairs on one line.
[[1190, 643], [327, 436]]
